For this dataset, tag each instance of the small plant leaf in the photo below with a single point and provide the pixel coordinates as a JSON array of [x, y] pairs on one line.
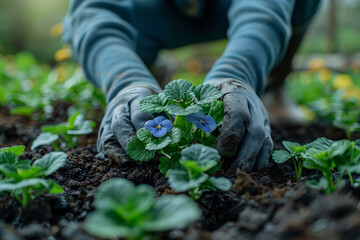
[[177, 89], [18, 150], [144, 135], [26, 173], [158, 143], [177, 110], [183, 124], [217, 111], [172, 212], [288, 145], [166, 164], [221, 183], [136, 150], [33, 182], [45, 138], [8, 157], [179, 180], [176, 135], [205, 93], [338, 148], [85, 128], [51, 162], [153, 104], [321, 184], [206, 157], [281, 156]]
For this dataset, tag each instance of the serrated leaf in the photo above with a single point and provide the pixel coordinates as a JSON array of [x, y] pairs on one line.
[[166, 164], [177, 110], [153, 104], [45, 138], [221, 183], [178, 88], [288, 145], [51, 162], [158, 143], [318, 145], [8, 157], [136, 150], [179, 180], [183, 124], [144, 135], [205, 93], [217, 111], [338, 148], [281, 156], [203, 155], [18, 150], [172, 212], [176, 135]]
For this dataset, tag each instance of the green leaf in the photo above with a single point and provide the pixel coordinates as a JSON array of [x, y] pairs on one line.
[[136, 150], [176, 135], [85, 128], [166, 164], [24, 164], [153, 104], [33, 182], [177, 110], [193, 166], [322, 184], [144, 135], [290, 146], [177, 89], [217, 111], [45, 138], [75, 119], [54, 187], [205, 93], [338, 148], [8, 157], [9, 170], [281, 156], [206, 157], [317, 146], [26, 173], [51, 162], [18, 150], [23, 110], [221, 183], [183, 124], [158, 143], [172, 212], [180, 181], [60, 128]]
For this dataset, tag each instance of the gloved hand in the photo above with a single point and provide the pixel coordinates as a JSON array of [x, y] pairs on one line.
[[246, 129], [122, 118]]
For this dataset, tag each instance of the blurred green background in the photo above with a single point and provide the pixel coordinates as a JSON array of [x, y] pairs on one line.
[[26, 25]]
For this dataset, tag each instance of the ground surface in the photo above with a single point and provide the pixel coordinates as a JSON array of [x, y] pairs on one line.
[[266, 205]]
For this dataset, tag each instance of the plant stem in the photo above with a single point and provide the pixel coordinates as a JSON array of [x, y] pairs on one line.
[[56, 147], [169, 117], [351, 179]]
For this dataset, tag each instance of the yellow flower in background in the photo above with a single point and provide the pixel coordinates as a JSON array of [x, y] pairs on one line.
[[57, 30], [308, 114], [325, 75], [342, 81], [353, 93], [316, 64], [62, 54]]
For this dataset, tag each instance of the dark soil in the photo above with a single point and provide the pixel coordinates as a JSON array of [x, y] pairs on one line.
[[262, 205]]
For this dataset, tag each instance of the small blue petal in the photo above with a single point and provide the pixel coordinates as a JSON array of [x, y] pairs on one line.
[[167, 125], [195, 117], [159, 132], [211, 123], [159, 119], [150, 125]]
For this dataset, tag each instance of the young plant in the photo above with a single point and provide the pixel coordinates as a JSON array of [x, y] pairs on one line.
[[25, 181], [197, 114], [68, 132], [197, 162], [126, 211], [293, 151]]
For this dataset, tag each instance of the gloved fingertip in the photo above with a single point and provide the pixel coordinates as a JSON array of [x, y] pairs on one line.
[[116, 153], [228, 145]]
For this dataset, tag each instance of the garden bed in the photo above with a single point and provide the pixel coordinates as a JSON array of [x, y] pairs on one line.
[[266, 205]]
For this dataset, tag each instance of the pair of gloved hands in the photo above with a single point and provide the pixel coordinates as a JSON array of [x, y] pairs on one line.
[[245, 132]]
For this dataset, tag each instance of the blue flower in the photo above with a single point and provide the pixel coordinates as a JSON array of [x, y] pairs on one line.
[[158, 126], [202, 121]]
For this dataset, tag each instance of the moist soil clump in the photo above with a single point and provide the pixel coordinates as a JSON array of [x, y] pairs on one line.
[[262, 205]]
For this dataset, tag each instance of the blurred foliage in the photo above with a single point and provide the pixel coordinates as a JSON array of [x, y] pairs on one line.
[[32, 89], [330, 96]]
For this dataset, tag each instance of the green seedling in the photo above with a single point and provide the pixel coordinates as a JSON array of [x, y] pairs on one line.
[[25, 181], [68, 132], [198, 161], [197, 114], [130, 212], [293, 151]]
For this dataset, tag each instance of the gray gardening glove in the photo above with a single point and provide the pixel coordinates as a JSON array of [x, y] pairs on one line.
[[122, 118], [245, 132]]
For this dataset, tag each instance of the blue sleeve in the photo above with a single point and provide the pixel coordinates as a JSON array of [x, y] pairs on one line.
[[258, 35], [103, 40]]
